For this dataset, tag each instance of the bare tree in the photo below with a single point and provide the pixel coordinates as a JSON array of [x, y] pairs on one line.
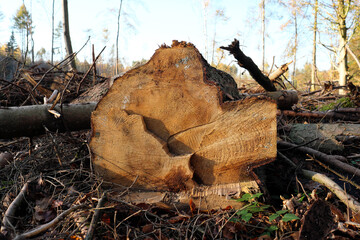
[[294, 13], [67, 38], [52, 32], [23, 22], [205, 6], [343, 18], [263, 33], [313, 67], [219, 15], [295, 9], [117, 40]]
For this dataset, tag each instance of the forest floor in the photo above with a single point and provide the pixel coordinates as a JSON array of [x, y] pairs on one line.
[[49, 184]]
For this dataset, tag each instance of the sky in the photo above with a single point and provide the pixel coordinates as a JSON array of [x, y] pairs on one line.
[[146, 24]]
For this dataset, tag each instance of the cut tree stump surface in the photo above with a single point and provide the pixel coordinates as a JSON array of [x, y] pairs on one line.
[[170, 125]]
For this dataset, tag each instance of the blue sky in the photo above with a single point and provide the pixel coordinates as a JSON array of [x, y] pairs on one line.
[[146, 24]]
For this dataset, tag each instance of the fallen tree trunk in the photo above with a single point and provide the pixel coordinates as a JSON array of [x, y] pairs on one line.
[[31, 120], [328, 138], [170, 126]]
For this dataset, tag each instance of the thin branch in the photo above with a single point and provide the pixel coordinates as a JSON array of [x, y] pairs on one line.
[[9, 216], [327, 182], [329, 159], [46, 226], [87, 73], [352, 54], [96, 216]]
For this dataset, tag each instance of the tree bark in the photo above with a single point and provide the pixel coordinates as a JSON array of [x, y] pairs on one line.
[[67, 37], [31, 120]]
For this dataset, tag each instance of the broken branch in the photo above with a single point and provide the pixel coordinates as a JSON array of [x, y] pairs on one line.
[[247, 63], [329, 159], [46, 226]]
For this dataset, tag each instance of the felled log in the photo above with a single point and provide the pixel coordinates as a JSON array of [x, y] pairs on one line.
[[176, 123], [328, 138], [32, 120]]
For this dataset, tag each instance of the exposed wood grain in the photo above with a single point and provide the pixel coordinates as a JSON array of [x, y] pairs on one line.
[[170, 125]]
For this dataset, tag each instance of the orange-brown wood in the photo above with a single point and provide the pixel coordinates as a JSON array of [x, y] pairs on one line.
[[169, 125]]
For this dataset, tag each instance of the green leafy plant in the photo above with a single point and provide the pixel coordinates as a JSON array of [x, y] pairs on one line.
[[254, 206], [285, 218], [289, 217], [270, 229], [246, 212], [276, 215]]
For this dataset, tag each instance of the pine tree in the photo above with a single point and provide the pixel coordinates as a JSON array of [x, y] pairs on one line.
[[11, 45], [23, 22]]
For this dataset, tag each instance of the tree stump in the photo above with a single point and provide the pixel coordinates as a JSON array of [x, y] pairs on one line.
[[176, 123]]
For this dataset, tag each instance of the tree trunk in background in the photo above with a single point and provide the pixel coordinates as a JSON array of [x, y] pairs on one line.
[[117, 40], [295, 43], [313, 67], [52, 33], [32, 46], [67, 38], [343, 64], [263, 33], [205, 4], [27, 44]]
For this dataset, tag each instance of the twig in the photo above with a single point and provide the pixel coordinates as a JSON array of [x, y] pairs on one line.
[[9, 215], [130, 216], [13, 84], [70, 57], [336, 189], [128, 188], [328, 183], [272, 65], [13, 142], [330, 114], [348, 110], [53, 142], [94, 68], [343, 178], [87, 73], [329, 159], [96, 216], [46, 226], [55, 66]]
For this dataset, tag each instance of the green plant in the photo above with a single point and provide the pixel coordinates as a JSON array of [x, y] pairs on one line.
[[246, 212], [254, 207], [343, 102], [285, 218]]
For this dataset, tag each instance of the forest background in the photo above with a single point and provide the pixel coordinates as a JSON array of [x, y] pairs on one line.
[[320, 37]]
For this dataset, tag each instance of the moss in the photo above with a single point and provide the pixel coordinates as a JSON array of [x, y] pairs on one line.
[[344, 102]]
